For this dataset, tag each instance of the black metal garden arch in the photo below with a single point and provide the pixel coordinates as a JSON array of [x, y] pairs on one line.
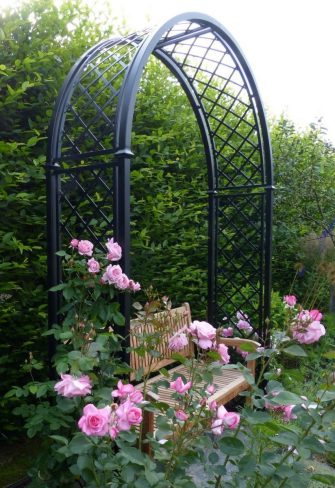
[[90, 148]]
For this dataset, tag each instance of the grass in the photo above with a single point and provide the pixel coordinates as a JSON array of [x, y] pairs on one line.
[[15, 459]]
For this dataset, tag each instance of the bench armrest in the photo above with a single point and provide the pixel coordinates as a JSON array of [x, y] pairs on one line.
[[236, 342]]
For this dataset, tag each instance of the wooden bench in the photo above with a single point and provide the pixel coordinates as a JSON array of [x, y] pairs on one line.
[[229, 383]]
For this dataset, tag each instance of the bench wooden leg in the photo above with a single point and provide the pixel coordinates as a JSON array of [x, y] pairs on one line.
[[147, 427]]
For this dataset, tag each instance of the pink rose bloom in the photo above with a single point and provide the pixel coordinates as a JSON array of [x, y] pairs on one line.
[[136, 396], [303, 317], [179, 386], [290, 300], [315, 315], [128, 414], [217, 427], [212, 405], [74, 243], [288, 415], [218, 424], [93, 266], [95, 421], [112, 274], [134, 286], [181, 415], [122, 283], [244, 354], [123, 391], [224, 419], [309, 316], [114, 250], [204, 332], [221, 412], [178, 341], [210, 389], [70, 386], [223, 351], [228, 332], [308, 334], [113, 432], [85, 248], [231, 420], [244, 325], [241, 315]]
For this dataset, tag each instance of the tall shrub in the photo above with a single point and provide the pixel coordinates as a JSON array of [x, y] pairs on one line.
[[304, 215], [39, 43]]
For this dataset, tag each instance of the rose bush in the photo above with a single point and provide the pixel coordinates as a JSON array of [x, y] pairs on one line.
[[92, 420]]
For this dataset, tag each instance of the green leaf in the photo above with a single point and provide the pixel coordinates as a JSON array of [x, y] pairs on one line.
[[247, 464], [178, 357], [247, 347], [59, 438], [287, 398], [326, 479], [133, 455], [313, 445], [295, 350], [231, 446], [68, 293], [84, 462], [61, 253], [326, 396], [164, 372], [59, 287], [257, 417], [118, 318], [249, 377], [128, 473], [213, 458], [252, 356], [80, 444], [286, 438]]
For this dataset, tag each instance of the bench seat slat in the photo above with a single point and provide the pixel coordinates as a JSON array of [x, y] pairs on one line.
[[229, 384]]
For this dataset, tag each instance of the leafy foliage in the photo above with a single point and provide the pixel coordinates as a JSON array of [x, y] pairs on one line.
[[303, 213], [39, 43]]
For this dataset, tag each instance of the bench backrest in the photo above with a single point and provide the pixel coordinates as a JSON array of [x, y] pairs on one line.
[[166, 324]]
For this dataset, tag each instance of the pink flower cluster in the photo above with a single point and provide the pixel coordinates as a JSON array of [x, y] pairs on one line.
[[223, 420], [243, 322], [204, 333], [205, 337], [101, 421], [70, 386], [307, 327], [113, 274]]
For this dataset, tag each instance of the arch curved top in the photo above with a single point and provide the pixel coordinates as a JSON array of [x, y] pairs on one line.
[[211, 69], [127, 98]]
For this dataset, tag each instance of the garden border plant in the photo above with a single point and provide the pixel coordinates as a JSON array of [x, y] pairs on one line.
[[107, 451]]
